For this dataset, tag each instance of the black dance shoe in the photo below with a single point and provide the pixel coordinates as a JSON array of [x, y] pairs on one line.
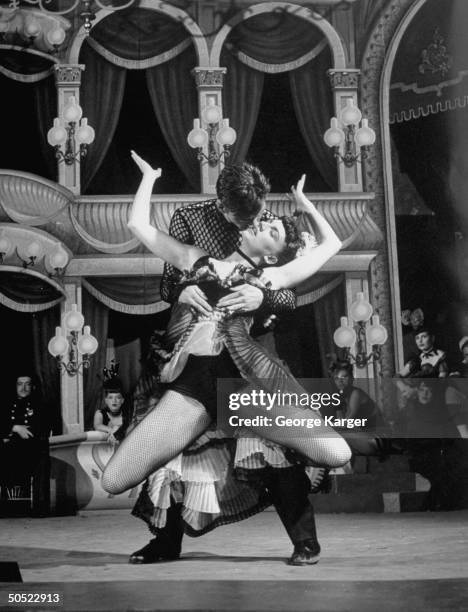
[[156, 550], [305, 553]]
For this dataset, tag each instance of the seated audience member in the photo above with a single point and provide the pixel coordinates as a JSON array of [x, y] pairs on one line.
[[428, 360], [24, 441], [355, 403], [411, 320], [431, 443], [112, 418]]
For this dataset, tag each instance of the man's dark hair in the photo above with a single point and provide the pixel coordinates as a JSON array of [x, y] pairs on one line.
[[242, 189], [293, 241]]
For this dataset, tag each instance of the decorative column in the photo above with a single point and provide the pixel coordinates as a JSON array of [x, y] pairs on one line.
[[71, 387], [68, 81], [345, 85], [210, 88]]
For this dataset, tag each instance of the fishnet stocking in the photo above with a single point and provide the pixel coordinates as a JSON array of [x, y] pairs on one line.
[[176, 421], [330, 451]]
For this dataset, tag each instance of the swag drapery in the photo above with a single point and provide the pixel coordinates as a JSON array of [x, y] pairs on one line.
[[278, 42]]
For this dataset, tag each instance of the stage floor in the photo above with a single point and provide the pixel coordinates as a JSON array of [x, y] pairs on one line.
[[369, 562]]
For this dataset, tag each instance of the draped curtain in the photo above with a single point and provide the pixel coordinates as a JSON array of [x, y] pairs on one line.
[[313, 105], [327, 313], [43, 329], [45, 94], [102, 90], [174, 98], [97, 317], [242, 93]]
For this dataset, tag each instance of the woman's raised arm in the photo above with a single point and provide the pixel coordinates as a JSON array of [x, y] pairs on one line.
[[295, 272], [166, 247]]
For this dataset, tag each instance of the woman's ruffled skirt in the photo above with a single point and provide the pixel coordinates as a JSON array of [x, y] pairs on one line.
[[218, 480]]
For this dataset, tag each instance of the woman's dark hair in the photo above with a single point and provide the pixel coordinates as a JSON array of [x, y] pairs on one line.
[[336, 366], [242, 190], [293, 240]]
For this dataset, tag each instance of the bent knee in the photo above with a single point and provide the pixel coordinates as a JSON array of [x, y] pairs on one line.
[[341, 454], [110, 483]]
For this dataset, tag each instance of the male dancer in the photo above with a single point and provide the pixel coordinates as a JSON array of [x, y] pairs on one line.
[[215, 226]]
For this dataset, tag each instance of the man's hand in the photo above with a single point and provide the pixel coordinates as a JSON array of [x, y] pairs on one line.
[[244, 298], [22, 431], [194, 297]]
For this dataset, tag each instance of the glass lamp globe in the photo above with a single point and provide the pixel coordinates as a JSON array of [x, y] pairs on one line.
[[32, 28], [55, 36], [211, 113], [58, 259], [58, 345], [197, 138], [226, 136], [72, 112], [344, 336], [87, 344], [350, 114], [57, 135], [85, 133], [73, 320], [34, 249], [360, 309], [365, 136], [376, 333], [334, 136]]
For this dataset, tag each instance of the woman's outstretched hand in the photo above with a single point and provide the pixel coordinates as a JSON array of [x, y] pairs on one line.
[[144, 166], [298, 192]]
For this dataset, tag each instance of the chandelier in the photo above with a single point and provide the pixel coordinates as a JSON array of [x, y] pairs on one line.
[[361, 333], [83, 6]]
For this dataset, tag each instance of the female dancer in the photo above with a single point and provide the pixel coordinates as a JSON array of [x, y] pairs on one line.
[[186, 409]]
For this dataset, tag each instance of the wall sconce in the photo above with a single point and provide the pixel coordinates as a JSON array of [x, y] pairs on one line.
[[72, 339], [225, 136], [361, 334], [345, 131], [64, 134]]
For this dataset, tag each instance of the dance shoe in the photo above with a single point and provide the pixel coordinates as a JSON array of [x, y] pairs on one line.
[[156, 550], [305, 553]]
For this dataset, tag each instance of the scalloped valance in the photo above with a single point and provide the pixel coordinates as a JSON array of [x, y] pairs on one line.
[[141, 38], [130, 295]]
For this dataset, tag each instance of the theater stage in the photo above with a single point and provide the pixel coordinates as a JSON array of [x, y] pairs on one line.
[[369, 562]]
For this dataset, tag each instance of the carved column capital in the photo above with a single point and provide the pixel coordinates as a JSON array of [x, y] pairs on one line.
[[209, 77], [344, 79], [68, 74]]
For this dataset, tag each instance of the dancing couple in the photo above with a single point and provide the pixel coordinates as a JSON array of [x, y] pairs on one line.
[[226, 259]]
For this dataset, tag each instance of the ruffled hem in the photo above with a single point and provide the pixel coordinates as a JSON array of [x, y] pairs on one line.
[[215, 486]]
